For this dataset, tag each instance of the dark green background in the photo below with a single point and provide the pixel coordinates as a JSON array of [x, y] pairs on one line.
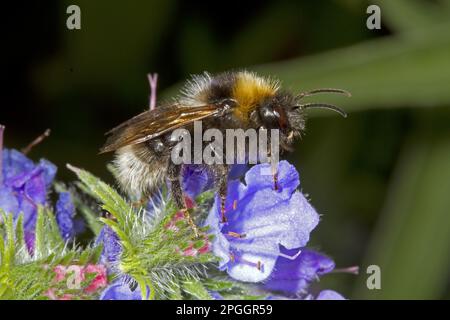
[[380, 178]]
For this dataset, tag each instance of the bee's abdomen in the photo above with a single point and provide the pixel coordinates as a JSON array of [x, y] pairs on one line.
[[140, 171]]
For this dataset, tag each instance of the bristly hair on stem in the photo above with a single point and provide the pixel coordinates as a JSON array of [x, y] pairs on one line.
[[155, 242], [25, 275]]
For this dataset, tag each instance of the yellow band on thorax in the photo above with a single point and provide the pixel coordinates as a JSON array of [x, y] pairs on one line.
[[248, 91]]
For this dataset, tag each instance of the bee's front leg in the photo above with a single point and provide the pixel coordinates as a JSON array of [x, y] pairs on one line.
[[174, 173], [274, 168]]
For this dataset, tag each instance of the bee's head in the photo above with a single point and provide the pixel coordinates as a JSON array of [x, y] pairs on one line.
[[284, 112]]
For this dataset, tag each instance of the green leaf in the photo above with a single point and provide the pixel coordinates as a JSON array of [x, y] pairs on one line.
[[388, 72], [409, 15], [175, 292], [7, 248], [196, 289], [2, 251], [219, 284], [362, 69], [151, 254], [47, 235], [411, 240], [112, 201], [92, 219], [39, 242], [120, 233], [205, 197], [24, 276]]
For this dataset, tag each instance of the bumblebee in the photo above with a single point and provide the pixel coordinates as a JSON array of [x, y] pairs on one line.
[[230, 100]]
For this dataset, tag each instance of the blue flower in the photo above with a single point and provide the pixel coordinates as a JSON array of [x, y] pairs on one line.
[[121, 290], [329, 295], [24, 186], [198, 178], [65, 210], [215, 295], [323, 295], [111, 248], [260, 219], [294, 275]]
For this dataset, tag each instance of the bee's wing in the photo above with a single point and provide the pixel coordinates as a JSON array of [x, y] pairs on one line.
[[151, 124]]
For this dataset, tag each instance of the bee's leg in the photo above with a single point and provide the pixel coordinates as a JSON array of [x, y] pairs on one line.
[[221, 175], [141, 202], [143, 199], [273, 167], [174, 172], [275, 177]]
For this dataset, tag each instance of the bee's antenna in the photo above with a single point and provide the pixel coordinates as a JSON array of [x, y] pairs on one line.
[[323, 90], [323, 106]]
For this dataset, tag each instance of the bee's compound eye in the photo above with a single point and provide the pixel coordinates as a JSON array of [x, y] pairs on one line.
[[156, 145], [268, 116]]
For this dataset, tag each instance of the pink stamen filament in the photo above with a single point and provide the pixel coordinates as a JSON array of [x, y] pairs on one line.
[[351, 270], [153, 81]]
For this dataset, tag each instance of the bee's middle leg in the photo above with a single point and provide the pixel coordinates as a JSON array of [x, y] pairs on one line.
[[221, 176], [174, 173]]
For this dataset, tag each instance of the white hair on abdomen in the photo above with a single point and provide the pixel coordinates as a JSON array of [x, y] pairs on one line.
[[137, 177], [194, 92]]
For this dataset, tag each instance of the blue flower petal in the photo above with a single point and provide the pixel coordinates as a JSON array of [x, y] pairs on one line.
[[196, 179], [8, 201], [293, 276], [260, 176], [329, 295], [199, 178], [35, 187], [65, 210], [265, 218], [111, 248], [120, 290], [237, 171], [32, 194], [14, 164], [49, 171], [215, 295], [24, 187]]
